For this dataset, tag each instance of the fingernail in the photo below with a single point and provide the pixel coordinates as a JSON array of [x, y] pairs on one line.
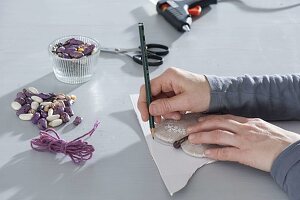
[[192, 137], [189, 130], [207, 152]]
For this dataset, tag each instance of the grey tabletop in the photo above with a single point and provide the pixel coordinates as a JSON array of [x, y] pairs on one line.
[[232, 38]]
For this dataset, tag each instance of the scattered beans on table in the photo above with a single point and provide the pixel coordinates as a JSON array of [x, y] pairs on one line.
[[44, 109]]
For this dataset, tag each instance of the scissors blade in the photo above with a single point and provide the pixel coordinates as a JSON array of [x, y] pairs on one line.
[[118, 50]]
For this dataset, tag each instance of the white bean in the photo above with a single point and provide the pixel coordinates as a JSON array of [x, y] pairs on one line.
[[50, 112], [37, 99], [33, 90], [52, 117], [45, 103], [34, 105], [26, 117], [55, 123], [15, 105]]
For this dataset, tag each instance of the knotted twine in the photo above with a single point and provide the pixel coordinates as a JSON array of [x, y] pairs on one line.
[[78, 150]]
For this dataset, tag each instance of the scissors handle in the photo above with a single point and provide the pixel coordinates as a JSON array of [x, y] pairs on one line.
[[153, 60], [157, 49]]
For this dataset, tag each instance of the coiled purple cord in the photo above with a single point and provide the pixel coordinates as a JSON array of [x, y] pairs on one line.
[[77, 149]]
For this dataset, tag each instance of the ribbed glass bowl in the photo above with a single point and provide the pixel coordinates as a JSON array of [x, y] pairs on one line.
[[74, 71]]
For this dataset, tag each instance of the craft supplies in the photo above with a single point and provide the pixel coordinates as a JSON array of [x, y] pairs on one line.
[[43, 109], [74, 58], [78, 150], [155, 53], [146, 76]]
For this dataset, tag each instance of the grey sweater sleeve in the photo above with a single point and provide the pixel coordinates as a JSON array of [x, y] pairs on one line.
[[271, 98], [286, 171], [267, 97]]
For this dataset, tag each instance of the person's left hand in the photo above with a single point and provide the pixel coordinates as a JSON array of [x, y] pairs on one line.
[[249, 141]]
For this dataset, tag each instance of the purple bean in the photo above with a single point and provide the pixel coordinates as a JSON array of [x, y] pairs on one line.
[[60, 50], [42, 124], [75, 42], [65, 117], [44, 114], [69, 111], [40, 108], [27, 93], [20, 100], [24, 109], [89, 49], [44, 96], [65, 55], [68, 103], [36, 117], [21, 95], [77, 121], [75, 54], [58, 110], [69, 50], [28, 100]]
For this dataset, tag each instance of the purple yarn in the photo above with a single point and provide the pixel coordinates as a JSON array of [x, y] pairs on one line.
[[78, 150]]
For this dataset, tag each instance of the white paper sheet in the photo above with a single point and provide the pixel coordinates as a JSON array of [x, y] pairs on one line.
[[175, 167]]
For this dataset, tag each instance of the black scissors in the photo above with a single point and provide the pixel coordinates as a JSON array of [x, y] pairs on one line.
[[155, 53]]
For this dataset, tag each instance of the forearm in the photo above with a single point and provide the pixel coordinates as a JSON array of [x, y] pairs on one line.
[[286, 171], [267, 97]]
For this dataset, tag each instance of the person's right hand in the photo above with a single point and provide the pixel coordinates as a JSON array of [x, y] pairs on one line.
[[175, 91]]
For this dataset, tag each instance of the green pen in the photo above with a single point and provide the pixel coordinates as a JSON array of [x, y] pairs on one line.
[[146, 76]]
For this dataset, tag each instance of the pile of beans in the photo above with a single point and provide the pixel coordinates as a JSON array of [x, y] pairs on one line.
[[73, 48], [44, 109]]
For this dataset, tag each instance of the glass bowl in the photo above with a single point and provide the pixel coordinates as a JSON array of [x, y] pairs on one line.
[[74, 70]]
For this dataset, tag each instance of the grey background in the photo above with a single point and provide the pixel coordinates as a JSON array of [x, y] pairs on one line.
[[232, 38]]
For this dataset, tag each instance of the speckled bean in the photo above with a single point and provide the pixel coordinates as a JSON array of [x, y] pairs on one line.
[[42, 124], [65, 117]]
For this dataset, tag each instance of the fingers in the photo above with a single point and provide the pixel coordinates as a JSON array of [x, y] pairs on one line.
[[164, 106], [214, 122], [224, 154], [219, 137]]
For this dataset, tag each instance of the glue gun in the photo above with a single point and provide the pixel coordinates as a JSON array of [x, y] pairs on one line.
[[179, 12]]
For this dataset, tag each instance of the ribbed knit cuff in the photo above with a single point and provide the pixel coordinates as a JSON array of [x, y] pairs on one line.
[[215, 93]]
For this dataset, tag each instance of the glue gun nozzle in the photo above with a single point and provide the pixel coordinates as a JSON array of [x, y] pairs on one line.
[[186, 28]]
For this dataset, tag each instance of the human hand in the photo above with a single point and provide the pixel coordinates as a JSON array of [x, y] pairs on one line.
[[249, 141], [175, 91]]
